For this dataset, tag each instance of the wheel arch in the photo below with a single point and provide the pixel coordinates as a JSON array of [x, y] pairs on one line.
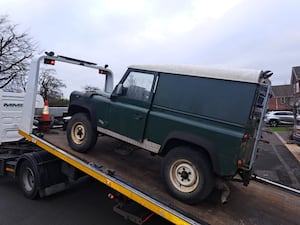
[[198, 143], [271, 121], [74, 108], [41, 162], [26, 157]]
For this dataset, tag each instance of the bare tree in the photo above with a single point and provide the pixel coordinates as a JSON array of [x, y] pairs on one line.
[[50, 86], [15, 51]]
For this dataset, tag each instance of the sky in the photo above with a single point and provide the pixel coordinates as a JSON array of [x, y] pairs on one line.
[[254, 34]]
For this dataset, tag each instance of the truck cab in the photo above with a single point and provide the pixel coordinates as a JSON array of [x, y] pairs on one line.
[[11, 107]]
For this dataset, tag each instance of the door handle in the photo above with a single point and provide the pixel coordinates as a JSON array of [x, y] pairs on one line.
[[138, 117]]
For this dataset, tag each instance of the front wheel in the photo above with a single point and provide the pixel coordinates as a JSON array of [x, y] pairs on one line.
[[81, 134], [188, 174]]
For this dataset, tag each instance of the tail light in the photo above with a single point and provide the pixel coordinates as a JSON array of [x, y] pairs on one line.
[[240, 163], [49, 61], [111, 196], [245, 138], [102, 72]]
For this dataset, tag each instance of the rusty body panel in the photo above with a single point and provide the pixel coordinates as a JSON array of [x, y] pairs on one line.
[[256, 204]]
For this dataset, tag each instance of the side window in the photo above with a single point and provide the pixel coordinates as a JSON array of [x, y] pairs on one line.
[[138, 85]]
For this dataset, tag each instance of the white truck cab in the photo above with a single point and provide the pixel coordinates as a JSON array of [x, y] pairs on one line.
[[11, 106]]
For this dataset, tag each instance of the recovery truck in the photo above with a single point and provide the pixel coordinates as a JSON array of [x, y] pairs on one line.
[[44, 163]]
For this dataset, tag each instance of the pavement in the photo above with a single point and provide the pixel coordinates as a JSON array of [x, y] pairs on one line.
[[279, 160], [284, 137]]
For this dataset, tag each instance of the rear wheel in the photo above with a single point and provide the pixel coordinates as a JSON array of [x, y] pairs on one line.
[[28, 180], [81, 134], [187, 174]]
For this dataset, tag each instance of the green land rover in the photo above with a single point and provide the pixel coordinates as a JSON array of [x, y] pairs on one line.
[[205, 122]]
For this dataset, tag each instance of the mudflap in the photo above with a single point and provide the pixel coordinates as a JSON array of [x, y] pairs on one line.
[[246, 176]]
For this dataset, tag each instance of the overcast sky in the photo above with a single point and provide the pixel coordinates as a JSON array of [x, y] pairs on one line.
[[256, 34]]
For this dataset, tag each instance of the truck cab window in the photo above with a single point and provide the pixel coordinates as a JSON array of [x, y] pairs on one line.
[[138, 86]]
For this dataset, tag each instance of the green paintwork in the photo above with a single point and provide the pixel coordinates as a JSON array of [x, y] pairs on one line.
[[214, 113]]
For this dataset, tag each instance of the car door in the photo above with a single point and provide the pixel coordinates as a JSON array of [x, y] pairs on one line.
[[129, 110], [289, 117], [286, 117]]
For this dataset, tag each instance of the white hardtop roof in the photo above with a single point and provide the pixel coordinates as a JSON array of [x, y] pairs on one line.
[[242, 75]]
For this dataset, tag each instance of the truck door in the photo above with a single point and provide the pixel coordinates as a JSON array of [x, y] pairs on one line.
[[129, 110]]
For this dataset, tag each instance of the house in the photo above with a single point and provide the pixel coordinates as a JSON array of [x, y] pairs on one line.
[[284, 97], [295, 81]]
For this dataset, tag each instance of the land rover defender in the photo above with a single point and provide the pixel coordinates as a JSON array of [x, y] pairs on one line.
[[204, 122]]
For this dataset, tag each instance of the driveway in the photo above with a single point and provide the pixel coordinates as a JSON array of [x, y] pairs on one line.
[[278, 161]]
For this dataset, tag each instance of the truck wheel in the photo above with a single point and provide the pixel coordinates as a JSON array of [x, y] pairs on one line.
[[187, 174], [80, 133], [28, 180]]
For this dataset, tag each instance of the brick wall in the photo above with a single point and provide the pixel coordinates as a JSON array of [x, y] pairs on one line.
[[276, 104]]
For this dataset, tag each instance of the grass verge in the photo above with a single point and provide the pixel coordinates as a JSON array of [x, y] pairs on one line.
[[280, 129]]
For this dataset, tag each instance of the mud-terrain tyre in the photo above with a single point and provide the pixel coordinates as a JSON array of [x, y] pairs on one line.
[[188, 174], [81, 135], [28, 179]]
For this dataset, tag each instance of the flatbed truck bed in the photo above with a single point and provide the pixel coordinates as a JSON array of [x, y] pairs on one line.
[[136, 174]]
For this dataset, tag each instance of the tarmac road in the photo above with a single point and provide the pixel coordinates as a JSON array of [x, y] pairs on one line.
[[276, 163], [87, 202], [84, 204]]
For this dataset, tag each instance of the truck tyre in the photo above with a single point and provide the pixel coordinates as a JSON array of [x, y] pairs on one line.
[[80, 133], [188, 174], [28, 180]]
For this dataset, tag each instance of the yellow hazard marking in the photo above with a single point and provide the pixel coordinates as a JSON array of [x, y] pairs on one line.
[[114, 185]]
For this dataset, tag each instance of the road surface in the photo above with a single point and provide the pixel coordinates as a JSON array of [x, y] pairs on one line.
[[84, 204], [87, 202]]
